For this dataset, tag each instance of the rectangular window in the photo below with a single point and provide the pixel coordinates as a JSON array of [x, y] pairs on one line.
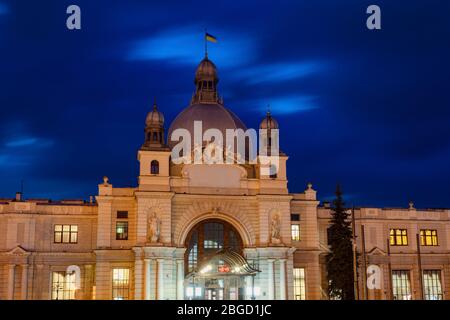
[[121, 284], [401, 287], [122, 230], [63, 286], [432, 285], [428, 237], [65, 233], [122, 214], [295, 217], [398, 237], [295, 232], [213, 236], [299, 284]]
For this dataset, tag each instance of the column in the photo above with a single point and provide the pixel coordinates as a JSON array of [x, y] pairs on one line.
[[249, 288], [24, 282], [160, 292], [282, 279], [88, 295], [11, 268], [38, 281], [180, 279], [271, 279], [147, 279], [138, 279]]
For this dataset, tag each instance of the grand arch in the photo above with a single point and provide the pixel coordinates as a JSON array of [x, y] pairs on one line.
[[215, 268], [242, 226]]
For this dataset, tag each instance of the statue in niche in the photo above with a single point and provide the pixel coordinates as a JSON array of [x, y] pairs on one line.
[[275, 228], [153, 228]]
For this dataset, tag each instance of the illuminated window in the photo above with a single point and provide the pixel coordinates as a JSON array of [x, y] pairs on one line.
[[432, 285], [428, 237], [299, 284], [65, 233], [121, 284], [63, 286], [122, 230], [206, 238], [295, 232], [401, 287], [213, 235], [398, 237]]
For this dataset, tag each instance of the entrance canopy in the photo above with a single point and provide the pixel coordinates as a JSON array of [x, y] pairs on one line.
[[224, 262]]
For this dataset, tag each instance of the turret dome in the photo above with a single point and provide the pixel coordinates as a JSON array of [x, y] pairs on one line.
[[269, 122], [154, 118]]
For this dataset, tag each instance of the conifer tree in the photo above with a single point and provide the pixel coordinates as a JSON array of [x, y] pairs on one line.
[[339, 260]]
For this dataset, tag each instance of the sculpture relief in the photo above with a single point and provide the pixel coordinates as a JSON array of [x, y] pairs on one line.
[[153, 228], [275, 228]]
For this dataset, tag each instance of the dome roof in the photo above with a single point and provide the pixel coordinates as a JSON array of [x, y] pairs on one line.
[[206, 70], [212, 116], [269, 122], [154, 118]]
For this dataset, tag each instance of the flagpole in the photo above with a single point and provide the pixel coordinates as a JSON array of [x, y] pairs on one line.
[[206, 44]]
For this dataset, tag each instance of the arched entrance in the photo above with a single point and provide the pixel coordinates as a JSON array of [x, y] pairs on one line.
[[215, 268]]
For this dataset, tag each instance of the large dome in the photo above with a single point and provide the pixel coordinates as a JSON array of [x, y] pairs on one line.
[[212, 116], [206, 106]]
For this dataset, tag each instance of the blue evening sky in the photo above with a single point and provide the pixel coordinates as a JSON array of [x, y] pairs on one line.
[[367, 109]]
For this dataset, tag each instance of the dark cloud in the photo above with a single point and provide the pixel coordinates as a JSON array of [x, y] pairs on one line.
[[367, 109]]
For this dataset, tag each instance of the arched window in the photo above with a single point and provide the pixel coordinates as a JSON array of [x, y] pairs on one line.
[[206, 238], [155, 136], [154, 167]]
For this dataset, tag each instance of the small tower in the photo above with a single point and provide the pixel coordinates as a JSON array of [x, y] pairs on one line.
[[154, 130], [154, 155], [276, 170]]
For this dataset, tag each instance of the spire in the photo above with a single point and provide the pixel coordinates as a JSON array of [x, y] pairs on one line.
[[155, 106], [206, 45]]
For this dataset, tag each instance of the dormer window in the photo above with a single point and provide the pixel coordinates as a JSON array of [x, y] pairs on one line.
[[154, 167]]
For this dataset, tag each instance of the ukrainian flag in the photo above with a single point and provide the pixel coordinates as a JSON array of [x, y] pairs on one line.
[[210, 37]]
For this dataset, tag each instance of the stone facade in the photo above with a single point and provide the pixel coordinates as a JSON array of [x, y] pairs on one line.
[[77, 249]]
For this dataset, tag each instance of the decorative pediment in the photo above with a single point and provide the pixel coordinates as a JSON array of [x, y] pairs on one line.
[[18, 251], [377, 252]]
